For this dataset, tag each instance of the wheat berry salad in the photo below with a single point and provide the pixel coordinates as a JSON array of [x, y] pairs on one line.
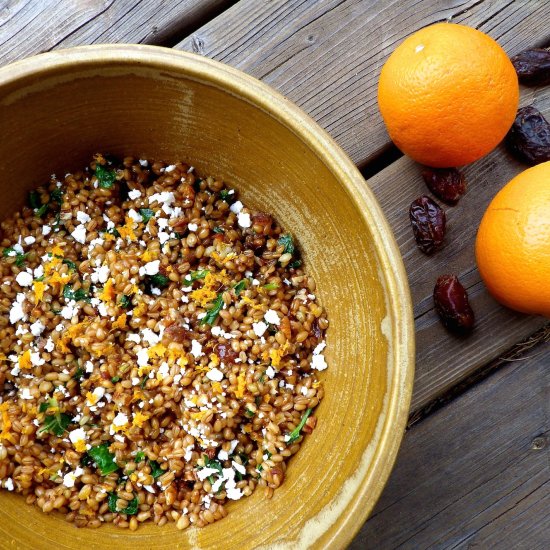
[[160, 345]]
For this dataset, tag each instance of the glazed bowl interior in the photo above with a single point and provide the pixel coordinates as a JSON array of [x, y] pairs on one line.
[[57, 110]]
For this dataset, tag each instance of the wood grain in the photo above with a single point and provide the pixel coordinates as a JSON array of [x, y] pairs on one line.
[[476, 473], [442, 358], [326, 55], [30, 27]]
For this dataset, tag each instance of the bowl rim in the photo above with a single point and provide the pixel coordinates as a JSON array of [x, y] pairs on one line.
[[398, 299]]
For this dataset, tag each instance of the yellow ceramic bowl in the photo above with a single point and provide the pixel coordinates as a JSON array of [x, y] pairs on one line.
[[57, 109]]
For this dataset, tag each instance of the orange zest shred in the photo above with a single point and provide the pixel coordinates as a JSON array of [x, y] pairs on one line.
[[25, 360], [140, 309], [251, 302], [217, 387], [108, 292], [58, 251], [109, 237], [127, 230], [38, 288], [80, 446], [158, 350], [120, 322], [6, 424], [241, 385], [147, 256], [2, 357], [139, 419]]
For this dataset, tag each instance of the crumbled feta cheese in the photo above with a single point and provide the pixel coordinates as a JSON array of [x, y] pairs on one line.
[[142, 358], [100, 274], [162, 223], [16, 311], [143, 162], [192, 227], [102, 308], [70, 310], [79, 234], [150, 268], [25, 394], [82, 217], [319, 348], [162, 237], [238, 467], [24, 278], [39, 271], [318, 362], [206, 472], [236, 207], [89, 366], [132, 337], [135, 381], [196, 349], [36, 360], [271, 372], [29, 240], [272, 317], [215, 374], [259, 328], [135, 216], [70, 477], [134, 193], [243, 219], [120, 420], [150, 337], [9, 484], [50, 346], [77, 435], [46, 230], [223, 455]]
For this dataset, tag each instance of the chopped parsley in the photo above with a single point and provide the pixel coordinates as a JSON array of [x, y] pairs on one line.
[[79, 374], [212, 463], [240, 286], [143, 383], [104, 459], [130, 510], [57, 195], [76, 295], [249, 413], [271, 286], [227, 195], [41, 212], [125, 301], [114, 232], [158, 280], [287, 242], [213, 312], [34, 200], [55, 423], [295, 264], [295, 433], [156, 470], [105, 177], [140, 455], [115, 379], [220, 230], [195, 276], [146, 214], [19, 258], [70, 263]]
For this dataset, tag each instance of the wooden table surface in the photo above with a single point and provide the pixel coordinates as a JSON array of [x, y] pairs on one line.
[[474, 468]]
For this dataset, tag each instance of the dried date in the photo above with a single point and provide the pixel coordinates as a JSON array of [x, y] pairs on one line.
[[533, 67], [452, 304], [529, 137], [447, 184], [428, 221]]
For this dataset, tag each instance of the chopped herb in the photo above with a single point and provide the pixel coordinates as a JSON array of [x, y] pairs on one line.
[[41, 212], [227, 196], [240, 286], [86, 460], [57, 195], [56, 423], [125, 301], [220, 230], [258, 400], [287, 242], [41, 278], [53, 477], [70, 263], [156, 470], [295, 264], [79, 374], [105, 177], [143, 382], [244, 458], [271, 286], [140, 455], [195, 276], [295, 433], [146, 214], [104, 459], [130, 510], [34, 200], [249, 413], [213, 312], [158, 280], [49, 404], [76, 295], [115, 379], [113, 231], [262, 378], [19, 258], [212, 463]]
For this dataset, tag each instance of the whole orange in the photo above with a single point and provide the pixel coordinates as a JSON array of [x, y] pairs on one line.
[[448, 95], [513, 242]]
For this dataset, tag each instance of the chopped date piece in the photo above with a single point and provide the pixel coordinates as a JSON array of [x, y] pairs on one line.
[[533, 67], [428, 222], [447, 184], [452, 305], [177, 333], [226, 353], [529, 137]]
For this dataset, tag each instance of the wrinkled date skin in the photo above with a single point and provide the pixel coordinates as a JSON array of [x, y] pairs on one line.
[[529, 137], [452, 305], [447, 184], [533, 67], [428, 221]]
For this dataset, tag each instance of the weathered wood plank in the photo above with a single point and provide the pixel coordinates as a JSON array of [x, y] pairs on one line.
[[326, 55], [30, 27], [444, 359], [475, 473]]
